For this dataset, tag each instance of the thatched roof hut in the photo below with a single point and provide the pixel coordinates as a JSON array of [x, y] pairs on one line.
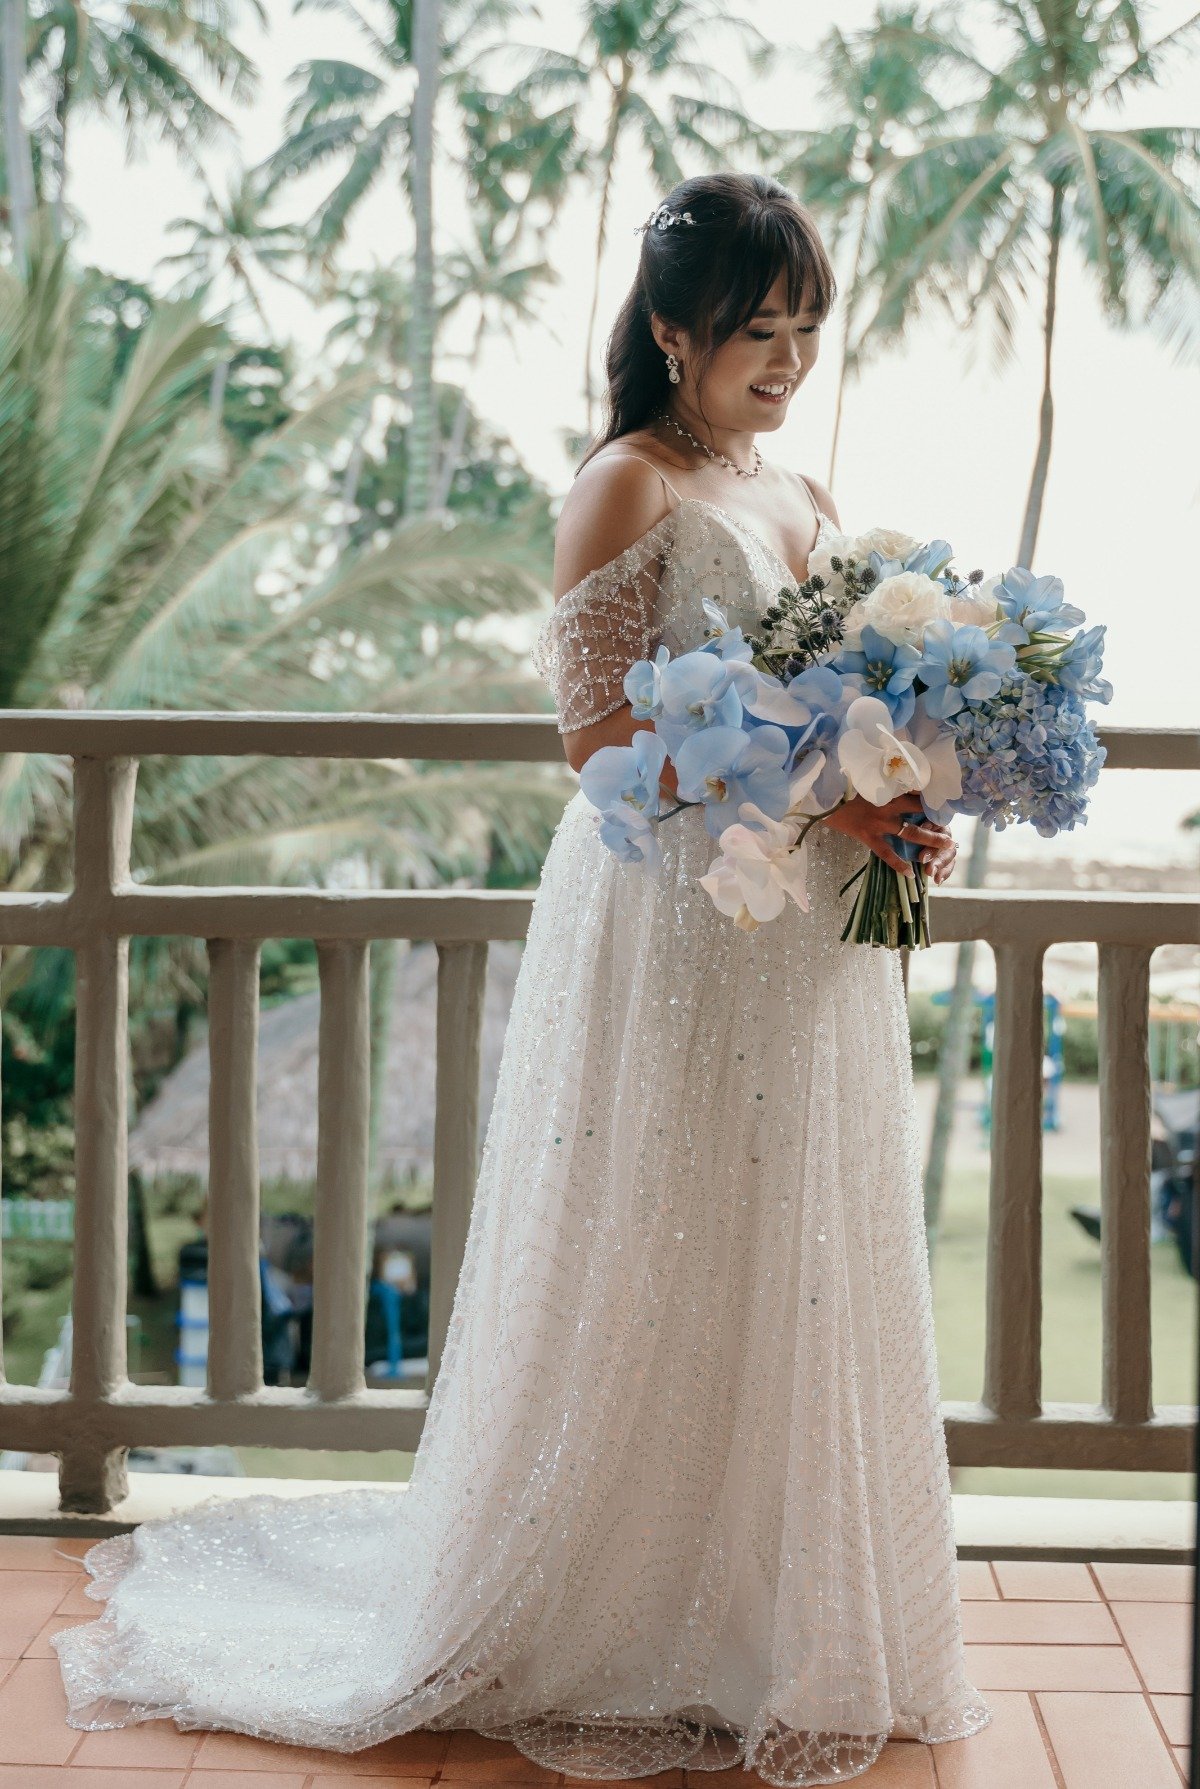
[[171, 1134]]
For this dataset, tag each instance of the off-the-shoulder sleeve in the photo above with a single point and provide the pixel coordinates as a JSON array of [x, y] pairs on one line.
[[599, 628]]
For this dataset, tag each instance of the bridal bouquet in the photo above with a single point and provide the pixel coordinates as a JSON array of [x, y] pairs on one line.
[[884, 673]]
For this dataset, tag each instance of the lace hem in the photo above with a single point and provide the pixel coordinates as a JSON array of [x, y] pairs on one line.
[[597, 1744], [697, 1738]]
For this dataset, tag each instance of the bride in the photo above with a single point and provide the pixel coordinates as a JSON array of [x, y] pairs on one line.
[[682, 1494]]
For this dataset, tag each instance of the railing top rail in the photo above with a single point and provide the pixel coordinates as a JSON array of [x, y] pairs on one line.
[[137, 733], [1037, 917]]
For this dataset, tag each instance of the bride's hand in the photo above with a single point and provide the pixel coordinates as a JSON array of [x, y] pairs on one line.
[[902, 816]]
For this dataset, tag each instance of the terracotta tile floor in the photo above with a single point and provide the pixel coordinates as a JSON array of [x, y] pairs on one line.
[[1085, 1666]]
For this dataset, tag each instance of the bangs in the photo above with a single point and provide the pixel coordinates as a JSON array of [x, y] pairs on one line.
[[772, 240]]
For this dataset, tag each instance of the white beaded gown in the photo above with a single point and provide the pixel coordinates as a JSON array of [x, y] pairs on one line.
[[682, 1494]]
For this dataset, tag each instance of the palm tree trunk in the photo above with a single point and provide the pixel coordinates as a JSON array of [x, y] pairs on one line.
[[62, 114], [458, 434], [952, 1057], [351, 476], [421, 440], [842, 368], [609, 156], [216, 391], [1041, 463], [17, 157]]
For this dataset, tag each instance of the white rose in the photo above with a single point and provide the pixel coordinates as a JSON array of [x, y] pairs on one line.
[[889, 543], [901, 607]]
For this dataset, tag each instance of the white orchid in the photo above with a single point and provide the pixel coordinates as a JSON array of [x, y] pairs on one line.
[[878, 762], [759, 867]]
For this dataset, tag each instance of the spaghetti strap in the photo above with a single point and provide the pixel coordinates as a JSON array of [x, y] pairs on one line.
[[821, 516], [626, 455]]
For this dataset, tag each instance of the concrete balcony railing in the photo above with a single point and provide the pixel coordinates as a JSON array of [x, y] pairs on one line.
[[92, 1424]]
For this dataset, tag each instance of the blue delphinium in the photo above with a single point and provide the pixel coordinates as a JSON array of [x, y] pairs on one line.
[[960, 666], [1031, 605], [1078, 666], [1029, 753], [887, 668], [931, 560]]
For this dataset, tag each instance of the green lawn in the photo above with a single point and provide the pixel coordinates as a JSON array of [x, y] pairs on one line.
[[1071, 1338]]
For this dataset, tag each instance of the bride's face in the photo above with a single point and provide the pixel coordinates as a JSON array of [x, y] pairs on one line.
[[772, 349]]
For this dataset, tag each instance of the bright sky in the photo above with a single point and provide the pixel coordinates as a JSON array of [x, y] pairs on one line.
[[934, 440]]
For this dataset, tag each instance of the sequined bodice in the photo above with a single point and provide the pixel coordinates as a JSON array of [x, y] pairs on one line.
[[653, 594], [716, 555]]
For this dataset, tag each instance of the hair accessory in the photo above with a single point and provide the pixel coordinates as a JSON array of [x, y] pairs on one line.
[[662, 217]]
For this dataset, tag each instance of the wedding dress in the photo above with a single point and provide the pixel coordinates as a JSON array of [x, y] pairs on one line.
[[682, 1495]]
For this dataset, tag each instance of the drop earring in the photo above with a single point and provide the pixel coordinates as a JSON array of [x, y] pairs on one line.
[[672, 369]]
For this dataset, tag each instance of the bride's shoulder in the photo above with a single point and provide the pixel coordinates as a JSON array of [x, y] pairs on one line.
[[616, 501]]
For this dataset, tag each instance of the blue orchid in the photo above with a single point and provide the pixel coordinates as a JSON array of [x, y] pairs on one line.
[[698, 690], [887, 669], [617, 777], [809, 707], [643, 685], [960, 666], [630, 836], [723, 766], [1031, 605]]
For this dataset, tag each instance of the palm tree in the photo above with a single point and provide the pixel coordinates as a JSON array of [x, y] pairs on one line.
[[629, 50], [174, 585], [345, 113], [359, 118], [144, 569], [845, 172], [231, 245], [976, 215], [18, 161], [518, 162], [496, 278], [422, 430], [139, 63]]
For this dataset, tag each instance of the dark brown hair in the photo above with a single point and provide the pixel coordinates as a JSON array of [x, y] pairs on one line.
[[708, 277]]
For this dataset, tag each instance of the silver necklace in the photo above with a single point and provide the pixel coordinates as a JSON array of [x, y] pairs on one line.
[[720, 458]]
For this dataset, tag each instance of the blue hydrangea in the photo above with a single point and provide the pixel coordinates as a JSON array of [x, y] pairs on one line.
[[1027, 753]]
